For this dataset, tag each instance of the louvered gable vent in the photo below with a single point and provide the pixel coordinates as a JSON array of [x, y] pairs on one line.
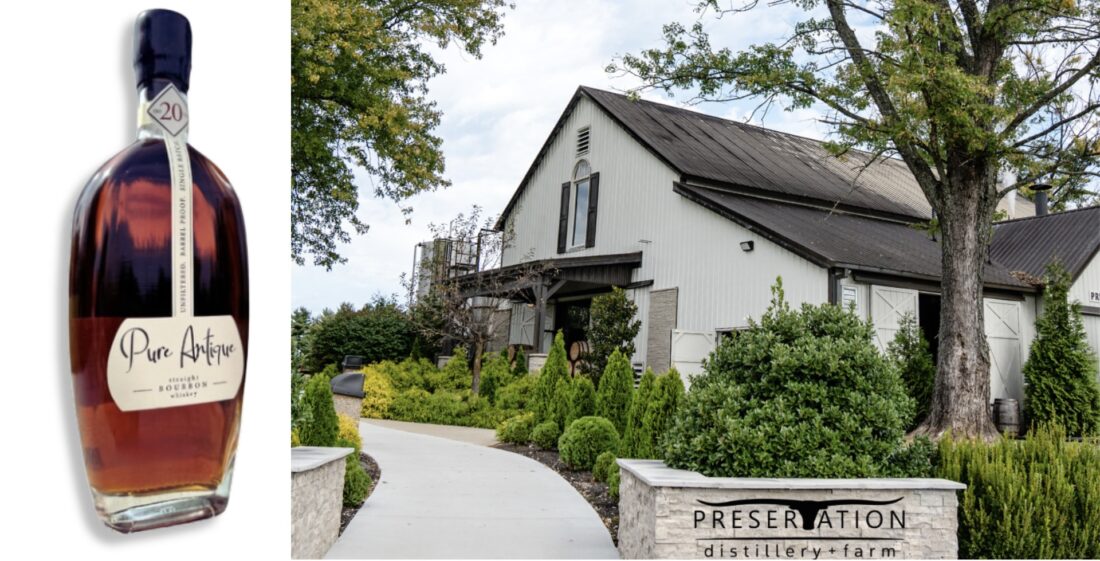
[[582, 140]]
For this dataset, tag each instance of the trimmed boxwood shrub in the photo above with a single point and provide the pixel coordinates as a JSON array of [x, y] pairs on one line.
[[582, 399], [631, 446], [1033, 499], [616, 391], [802, 393], [321, 426], [585, 439], [517, 429], [909, 351], [1061, 369], [545, 435], [604, 462]]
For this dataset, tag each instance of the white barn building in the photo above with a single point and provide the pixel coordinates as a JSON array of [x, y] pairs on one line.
[[695, 216]]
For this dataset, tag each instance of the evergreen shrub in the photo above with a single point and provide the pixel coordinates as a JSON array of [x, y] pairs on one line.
[[585, 439], [801, 393], [1033, 499], [323, 425], [545, 435], [517, 429], [631, 445], [909, 351], [616, 391], [604, 463]]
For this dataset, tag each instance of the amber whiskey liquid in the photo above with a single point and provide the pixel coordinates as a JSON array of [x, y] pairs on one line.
[[159, 309]]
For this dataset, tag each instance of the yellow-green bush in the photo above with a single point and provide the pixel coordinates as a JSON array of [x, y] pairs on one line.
[[378, 392], [1032, 499], [349, 432], [517, 429], [294, 440]]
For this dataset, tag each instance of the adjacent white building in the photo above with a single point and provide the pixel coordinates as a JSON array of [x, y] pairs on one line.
[[696, 216]]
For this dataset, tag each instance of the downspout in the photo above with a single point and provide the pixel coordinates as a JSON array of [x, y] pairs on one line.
[[835, 275]]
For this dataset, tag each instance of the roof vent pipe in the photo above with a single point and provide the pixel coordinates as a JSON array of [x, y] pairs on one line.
[[1041, 204]]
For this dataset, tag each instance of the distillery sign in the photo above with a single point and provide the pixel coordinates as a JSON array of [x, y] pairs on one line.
[[794, 528]]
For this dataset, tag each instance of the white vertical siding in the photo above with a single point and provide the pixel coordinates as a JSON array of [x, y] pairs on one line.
[[684, 245], [1086, 289]]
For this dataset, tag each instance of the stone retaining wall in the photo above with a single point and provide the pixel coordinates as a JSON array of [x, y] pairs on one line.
[[317, 497], [666, 513]]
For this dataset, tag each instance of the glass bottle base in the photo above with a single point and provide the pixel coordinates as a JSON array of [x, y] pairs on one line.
[[129, 513]]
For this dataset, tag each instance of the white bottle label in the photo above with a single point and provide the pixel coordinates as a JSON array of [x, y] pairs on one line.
[[182, 359], [168, 362]]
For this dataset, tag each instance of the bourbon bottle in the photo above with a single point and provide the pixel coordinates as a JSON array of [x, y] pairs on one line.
[[158, 301]]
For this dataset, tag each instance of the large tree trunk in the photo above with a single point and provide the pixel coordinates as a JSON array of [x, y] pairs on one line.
[[960, 400]]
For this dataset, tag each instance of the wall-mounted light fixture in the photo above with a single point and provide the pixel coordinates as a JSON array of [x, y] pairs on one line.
[[747, 246]]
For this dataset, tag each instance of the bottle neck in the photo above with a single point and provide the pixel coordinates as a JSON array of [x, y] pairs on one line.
[[162, 111]]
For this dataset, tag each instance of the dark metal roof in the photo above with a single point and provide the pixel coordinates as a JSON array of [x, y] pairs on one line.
[[1030, 244], [583, 271], [840, 239], [709, 148]]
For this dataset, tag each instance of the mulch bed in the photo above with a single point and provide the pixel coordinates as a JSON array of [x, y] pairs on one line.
[[375, 473], [593, 491]]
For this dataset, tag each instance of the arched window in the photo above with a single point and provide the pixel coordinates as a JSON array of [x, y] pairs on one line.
[[581, 181]]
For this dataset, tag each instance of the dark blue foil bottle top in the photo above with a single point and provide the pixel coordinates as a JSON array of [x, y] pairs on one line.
[[162, 48]]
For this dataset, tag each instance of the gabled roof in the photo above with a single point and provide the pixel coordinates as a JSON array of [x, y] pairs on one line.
[[839, 239], [705, 149], [1030, 244]]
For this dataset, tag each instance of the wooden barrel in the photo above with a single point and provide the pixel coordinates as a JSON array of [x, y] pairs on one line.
[[1006, 415]]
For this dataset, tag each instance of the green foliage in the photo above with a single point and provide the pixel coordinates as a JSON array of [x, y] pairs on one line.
[[330, 371], [545, 435], [518, 394], [378, 331], [323, 424], [1032, 499], [519, 367], [914, 459], [409, 373], [562, 402], [802, 393], [359, 83], [494, 375], [613, 327], [909, 351], [668, 395], [604, 463], [299, 414], [1061, 368], [446, 407], [632, 444], [455, 375], [356, 481], [556, 368], [585, 439], [300, 322], [582, 399], [613, 476], [377, 392], [294, 439], [348, 432], [517, 429], [616, 390]]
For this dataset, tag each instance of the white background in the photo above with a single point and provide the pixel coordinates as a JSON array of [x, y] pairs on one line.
[[67, 104]]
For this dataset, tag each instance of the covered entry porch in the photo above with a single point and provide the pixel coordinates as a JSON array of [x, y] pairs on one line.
[[547, 295]]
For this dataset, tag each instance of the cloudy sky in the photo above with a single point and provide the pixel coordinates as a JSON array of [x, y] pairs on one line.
[[497, 112]]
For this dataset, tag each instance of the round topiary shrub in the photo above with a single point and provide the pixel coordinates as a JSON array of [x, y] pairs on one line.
[[604, 462], [516, 430], [585, 439], [545, 435], [802, 393]]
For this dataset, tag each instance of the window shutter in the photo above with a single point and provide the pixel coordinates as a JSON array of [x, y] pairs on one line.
[[563, 220], [593, 198]]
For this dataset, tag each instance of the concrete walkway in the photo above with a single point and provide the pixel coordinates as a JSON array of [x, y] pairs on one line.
[[471, 435], [442, 498]]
